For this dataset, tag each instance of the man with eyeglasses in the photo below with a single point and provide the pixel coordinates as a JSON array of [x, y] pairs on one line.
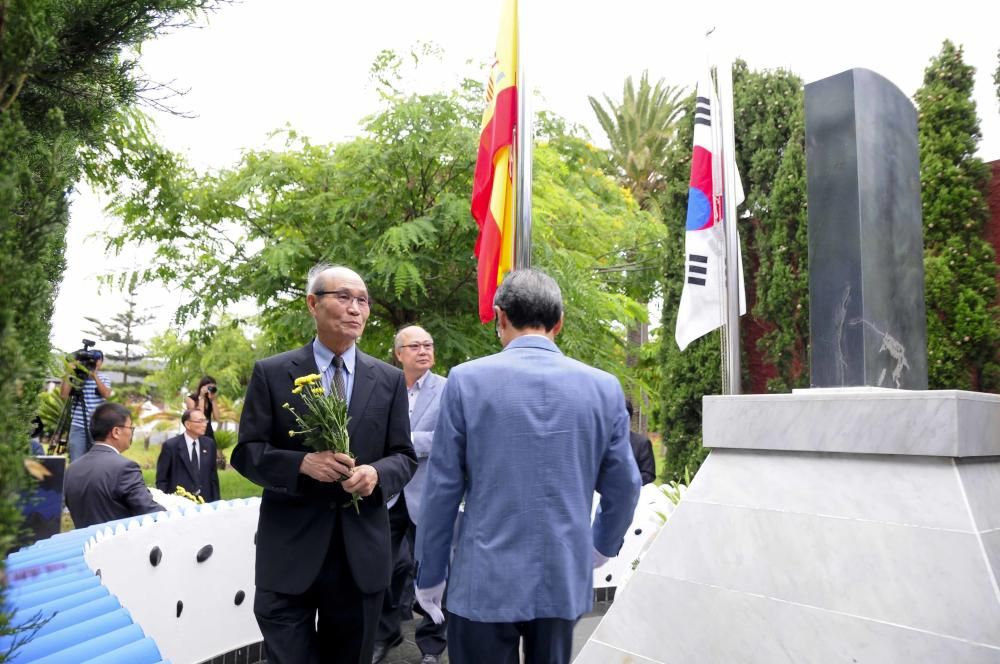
[[102, 485], [321, 567], [188, 460], [414, 349]]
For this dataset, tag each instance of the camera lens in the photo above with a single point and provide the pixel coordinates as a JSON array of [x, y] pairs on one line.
[[213, 389]]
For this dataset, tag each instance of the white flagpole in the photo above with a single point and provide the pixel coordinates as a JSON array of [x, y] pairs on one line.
[[522, 155], [732, 317]]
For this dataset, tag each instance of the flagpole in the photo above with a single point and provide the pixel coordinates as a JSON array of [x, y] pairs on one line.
[[732, 317], [522, 164]]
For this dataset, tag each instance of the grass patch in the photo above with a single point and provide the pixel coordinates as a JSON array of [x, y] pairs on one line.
[[231, 483]]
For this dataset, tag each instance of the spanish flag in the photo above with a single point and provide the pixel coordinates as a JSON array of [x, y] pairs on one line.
[[493, 183]]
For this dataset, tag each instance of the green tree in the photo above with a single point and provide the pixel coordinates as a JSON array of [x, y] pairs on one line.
[[393, 204], [963, 321], [641, 129], [62, 78], [122, 330], [996, 77], [226, 352]]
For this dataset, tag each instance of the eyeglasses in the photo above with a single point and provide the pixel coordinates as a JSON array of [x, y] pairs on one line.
[[427, 345], [122, 426], [194, 421], [345, 298]]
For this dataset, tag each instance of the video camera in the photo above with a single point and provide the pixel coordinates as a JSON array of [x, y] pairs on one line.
[[87, 358]]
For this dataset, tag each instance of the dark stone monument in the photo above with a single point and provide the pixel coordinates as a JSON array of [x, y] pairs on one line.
[[866, 277]]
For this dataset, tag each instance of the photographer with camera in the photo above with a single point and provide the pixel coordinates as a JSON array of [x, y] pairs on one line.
[[203, 399], [88, 388]]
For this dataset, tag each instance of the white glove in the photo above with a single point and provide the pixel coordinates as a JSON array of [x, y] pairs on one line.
[[431, 599], [599, 558]]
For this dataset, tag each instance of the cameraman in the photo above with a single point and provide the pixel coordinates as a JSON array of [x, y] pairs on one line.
[[95, 388]]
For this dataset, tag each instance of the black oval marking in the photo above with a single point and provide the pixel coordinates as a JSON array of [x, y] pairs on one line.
[[155, 556], [204, 553], [180, 608], [240, 596]]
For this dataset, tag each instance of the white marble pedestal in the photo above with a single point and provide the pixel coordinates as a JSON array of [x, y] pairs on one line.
[[833, 525]]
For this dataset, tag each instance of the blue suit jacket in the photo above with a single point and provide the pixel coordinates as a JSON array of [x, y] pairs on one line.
[[525, 436], [425, 415]]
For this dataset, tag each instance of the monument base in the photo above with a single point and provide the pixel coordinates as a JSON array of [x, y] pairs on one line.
[[826, 526]]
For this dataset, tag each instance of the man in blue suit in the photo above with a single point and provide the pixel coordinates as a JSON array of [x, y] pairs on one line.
[[526, 436], [414, 349]]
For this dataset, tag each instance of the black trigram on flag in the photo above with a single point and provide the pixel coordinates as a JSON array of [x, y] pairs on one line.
[[702, 111], [697, 269]]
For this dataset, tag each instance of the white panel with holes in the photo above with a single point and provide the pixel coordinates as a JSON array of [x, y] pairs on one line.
[[184, 576], [650, 514]]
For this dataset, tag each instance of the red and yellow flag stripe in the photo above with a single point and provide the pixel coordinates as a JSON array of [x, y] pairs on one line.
[[493, 185]]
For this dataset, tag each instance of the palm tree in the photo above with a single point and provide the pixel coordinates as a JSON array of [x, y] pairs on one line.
[[641, 129]]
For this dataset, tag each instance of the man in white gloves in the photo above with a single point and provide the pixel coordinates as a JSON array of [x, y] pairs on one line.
[[525, 436]]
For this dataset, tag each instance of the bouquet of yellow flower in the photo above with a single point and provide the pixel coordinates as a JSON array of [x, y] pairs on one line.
[[184, 493], [324, 424]]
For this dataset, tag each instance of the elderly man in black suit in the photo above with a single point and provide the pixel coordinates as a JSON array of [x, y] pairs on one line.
[[188, 460], [102, 485], [321, 567]]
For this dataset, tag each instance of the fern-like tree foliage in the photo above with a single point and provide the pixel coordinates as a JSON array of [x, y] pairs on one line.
[[392, 204], [63, 77], [963, 321], [641, 129]]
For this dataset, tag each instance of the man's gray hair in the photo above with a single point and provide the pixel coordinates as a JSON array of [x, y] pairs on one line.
[[314, 272], [319, 268], [530, 298], [398, 339]]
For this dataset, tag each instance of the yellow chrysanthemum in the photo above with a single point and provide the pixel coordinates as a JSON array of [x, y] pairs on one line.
[[291, 434], [296, 390], [318, 391]]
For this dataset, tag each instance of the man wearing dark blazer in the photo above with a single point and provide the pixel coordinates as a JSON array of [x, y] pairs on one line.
[[321, 568], [188, 460], [642, 450], [102, 485]]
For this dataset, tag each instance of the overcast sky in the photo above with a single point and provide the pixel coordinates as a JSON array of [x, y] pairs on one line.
[[256, 66]]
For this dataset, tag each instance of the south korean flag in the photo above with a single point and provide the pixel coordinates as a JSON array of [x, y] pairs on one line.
[[702, 299]]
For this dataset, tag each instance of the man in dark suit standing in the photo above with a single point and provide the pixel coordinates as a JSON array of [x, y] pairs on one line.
[[642, 450], [102, 485], [188, 460], [321, 567]]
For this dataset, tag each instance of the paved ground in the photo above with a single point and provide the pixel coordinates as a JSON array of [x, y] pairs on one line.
[[407, 653]]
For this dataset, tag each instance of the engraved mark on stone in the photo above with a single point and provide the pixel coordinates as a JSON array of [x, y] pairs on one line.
[[895, 349], [838, 325]]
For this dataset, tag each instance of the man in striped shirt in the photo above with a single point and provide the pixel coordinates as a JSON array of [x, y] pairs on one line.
[[94, 389]]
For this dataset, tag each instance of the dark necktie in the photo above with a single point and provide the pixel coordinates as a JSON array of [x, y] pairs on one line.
[[194, 455], [338, 377]]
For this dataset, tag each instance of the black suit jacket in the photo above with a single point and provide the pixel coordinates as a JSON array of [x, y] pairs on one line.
[[174, 468], [297, 513], [102, 485], [642, 449]]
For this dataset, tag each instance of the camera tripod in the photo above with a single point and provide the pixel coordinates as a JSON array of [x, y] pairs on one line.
[[58, 441]]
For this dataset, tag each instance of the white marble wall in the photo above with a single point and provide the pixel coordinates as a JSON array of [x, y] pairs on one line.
[[782, 553]]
